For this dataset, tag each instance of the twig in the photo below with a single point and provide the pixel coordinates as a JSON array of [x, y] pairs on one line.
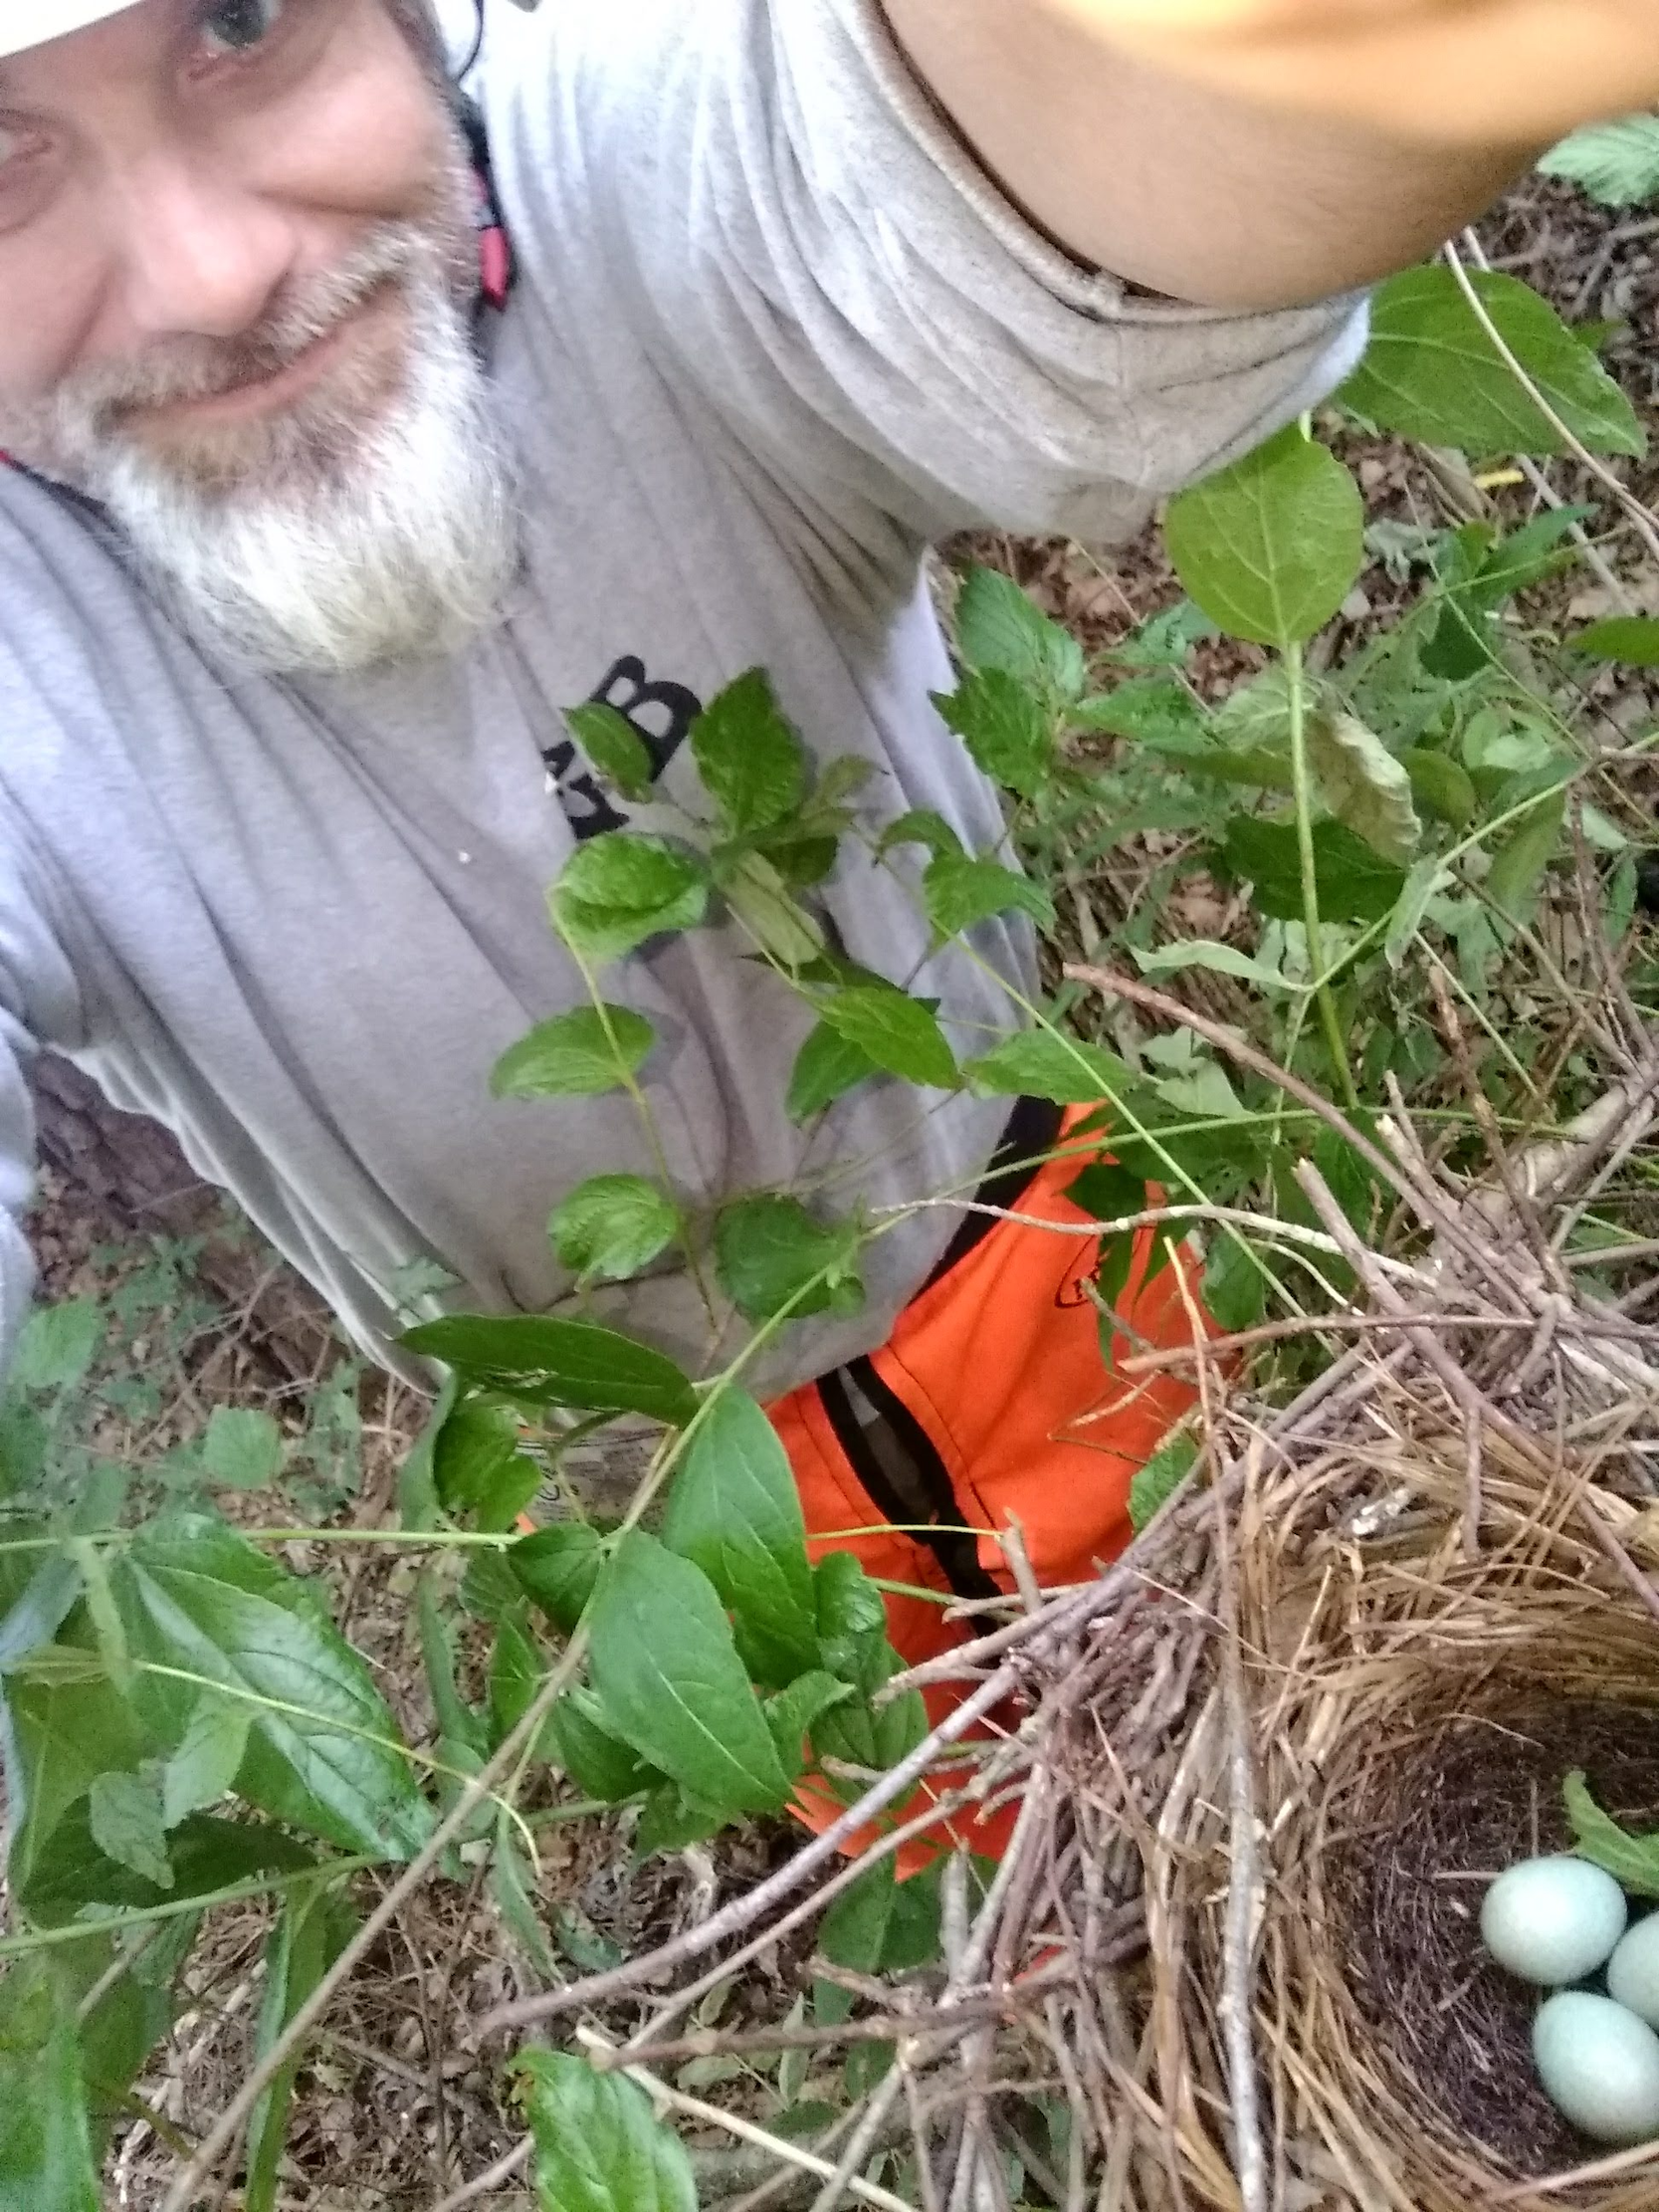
[[778, 2147], [494, 2177]]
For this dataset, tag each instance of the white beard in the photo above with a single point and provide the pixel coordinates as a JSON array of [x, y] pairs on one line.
[[314, 544]]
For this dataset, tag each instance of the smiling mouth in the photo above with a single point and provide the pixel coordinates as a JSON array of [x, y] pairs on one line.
[[365, 341]]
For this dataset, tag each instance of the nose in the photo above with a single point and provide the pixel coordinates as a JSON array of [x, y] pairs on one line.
[[198, 256]]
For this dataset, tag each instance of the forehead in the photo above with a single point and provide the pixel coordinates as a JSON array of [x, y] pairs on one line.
[[69, 39]]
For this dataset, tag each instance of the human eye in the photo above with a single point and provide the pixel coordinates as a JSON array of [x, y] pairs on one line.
[[230, 29]]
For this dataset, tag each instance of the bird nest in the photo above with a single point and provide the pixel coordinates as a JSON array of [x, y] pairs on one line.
[[1265, 1765]]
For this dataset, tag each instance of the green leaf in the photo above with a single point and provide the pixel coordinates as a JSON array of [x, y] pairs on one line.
[[127, 1826], [613, 746], [324, 1751], [1107, 1192], [1440, 787], [511, 1885], [897, 1032], [1155, 708], [959, 893], [622, 888], [763, 902], [1235, 1288], [243, 1448], [1008, 732], [559, 1363], [768, 1249], [1363, 785], [827, 1066], [580, 1054], [517, 1668], [1615, 162], [1159, 1479], [852, 1622], [478, 1466], [598, 2145], [1220, 959], [1632, 1860], [999, 627], [612, 1225], [46, 2162], [1166, 642], [1428, 878], [792, 1715], [1355, 883], [669, 1680], [671, 1821], [1272, 546], [1038, 1063], [752, 765], [922, 827], [734, 1509], [204, 1767], [457, 1722], [58, 1345], [315, 1926], [1630, 639], [599, 1763], [1519, 864], [1432, 373], [559, 1570]]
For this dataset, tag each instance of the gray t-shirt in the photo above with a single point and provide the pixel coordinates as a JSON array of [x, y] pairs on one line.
[[773, 333]]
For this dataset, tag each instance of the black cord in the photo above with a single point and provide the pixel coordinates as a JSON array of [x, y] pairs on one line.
[[467, 67]]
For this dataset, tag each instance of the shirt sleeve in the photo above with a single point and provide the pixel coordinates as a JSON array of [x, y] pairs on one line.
[[28, 951], [810, 243]]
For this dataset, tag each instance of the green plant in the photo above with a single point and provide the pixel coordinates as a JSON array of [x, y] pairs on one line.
[[1374, 828]]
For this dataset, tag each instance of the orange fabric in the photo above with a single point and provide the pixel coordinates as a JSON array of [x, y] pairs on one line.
[[1000, 1363]]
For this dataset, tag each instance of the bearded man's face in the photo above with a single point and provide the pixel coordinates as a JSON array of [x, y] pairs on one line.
[[238, 263]]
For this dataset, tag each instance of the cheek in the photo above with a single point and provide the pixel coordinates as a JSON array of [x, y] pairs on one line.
[[50, 301]]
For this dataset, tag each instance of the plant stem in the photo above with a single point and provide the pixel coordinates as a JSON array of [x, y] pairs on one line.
[[1296, 673]]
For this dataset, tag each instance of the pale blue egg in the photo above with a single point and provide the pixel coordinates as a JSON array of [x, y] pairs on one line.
[[1633, 1970], [1600, 2065], [1552, 1920]]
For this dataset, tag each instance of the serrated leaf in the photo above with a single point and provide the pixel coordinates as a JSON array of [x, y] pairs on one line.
[[1272, 546], [792, 1715], [622, 888], [46, 2162], [1158, 708], [897, 1032], [1632, 1860], [1166, 642], [614, 747], [315, 1926], [1038, 1063], [559, 1363], [58, 1345], [1219, 960], [559, 1570], [204, 1767], [599, 1763], [1159, 1479], [666, 1671], [127, 1827], [734, 1510], [242, 1449], [1630, 639], [1432, 373], [1355, 883], [582, 1054], [1235, 1288], [921, 826], [477, 1464], [1519, 864], [999, 626], [827, 1066], [1441, 788], [752, 765], [959, 893], [324, 1750], [769, 1248], [1615, 162], [1008, 732], [763, 903], [598, 2144], [612, 1225], [1363, 785]]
